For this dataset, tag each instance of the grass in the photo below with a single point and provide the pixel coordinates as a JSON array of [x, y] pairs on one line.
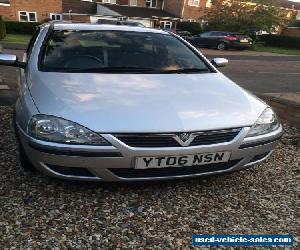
[[277, 50], [16, 38]]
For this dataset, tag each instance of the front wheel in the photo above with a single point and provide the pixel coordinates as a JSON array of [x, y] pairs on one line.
[[221, 46]]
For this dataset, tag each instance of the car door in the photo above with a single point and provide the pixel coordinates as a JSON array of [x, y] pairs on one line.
[[201, 40], [215, 38]]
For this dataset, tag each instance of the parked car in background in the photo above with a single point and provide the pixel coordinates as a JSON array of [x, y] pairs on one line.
[[116, 22], [184, 34], [222, 40], [133, 24], [120, 103]]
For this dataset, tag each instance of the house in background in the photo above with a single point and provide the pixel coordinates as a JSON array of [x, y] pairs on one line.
[[30, 11], [152, 13], [78, 10], [293, 28], [148, 16], [41, 10], [188, 10]]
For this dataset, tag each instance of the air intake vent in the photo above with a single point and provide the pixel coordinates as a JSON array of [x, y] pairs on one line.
[[172, 172]]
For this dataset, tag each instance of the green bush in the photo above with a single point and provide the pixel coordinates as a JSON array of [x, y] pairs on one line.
[[2, 29], [281, 41], [193, 27], [26, 28]]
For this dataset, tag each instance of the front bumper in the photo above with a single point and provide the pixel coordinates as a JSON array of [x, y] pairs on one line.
[[238, 45], [116, 163]]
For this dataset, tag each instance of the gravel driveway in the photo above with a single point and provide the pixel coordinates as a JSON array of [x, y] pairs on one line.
[[42, 213]]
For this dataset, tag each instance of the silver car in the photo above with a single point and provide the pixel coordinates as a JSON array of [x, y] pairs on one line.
[[119, 103]]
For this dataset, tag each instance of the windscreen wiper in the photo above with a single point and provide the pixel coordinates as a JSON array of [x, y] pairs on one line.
[[186, 70], [113, 70]]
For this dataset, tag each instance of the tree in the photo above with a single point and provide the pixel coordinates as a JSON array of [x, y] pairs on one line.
[[246, 16], [2, 29]]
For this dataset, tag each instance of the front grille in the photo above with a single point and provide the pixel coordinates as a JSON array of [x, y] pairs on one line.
[[148, 141], [168, 140], [173, 171]]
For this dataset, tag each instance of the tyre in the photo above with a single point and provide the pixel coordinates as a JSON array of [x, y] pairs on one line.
[[221, 46]]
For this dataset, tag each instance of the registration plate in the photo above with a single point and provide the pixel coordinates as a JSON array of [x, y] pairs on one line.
[[181, 161], [244, 40]]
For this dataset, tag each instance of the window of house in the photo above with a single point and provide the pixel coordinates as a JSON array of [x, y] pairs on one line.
[[56, 17], [194, 2], [166, 25], [208, 4], [151, 3], [5, 3], [133, 2], [109, 1], [26, 16]]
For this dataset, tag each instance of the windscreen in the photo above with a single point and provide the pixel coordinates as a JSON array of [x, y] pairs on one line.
[[118, 51]]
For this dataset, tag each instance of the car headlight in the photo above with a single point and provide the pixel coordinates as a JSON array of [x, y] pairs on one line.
[[54, 129], [266, 123]]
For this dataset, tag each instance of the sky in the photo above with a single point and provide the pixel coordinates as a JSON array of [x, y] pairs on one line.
[[296, 1]]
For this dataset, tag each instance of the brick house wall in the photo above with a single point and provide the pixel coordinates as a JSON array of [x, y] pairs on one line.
[[81, 10], [182, 9], [78, 6], [122, 2], [6, 13], [194, 12], [174, 7], [41, 7], [291, 32], [79, 18]]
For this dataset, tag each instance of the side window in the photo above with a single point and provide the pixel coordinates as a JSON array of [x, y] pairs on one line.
[[206, 34], [31, 43], [219, 33], [224, 34], [215, 33]]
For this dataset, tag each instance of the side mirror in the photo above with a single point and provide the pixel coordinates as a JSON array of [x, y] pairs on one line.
[[11, 60], [219, 62]]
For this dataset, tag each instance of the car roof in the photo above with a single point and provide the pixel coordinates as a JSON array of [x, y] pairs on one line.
[[87, 26], [228, 32]]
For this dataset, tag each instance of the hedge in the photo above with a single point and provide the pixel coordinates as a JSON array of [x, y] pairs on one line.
[[26, 28], [2, 29], [193, 27], [295, 23], [281, 41]]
